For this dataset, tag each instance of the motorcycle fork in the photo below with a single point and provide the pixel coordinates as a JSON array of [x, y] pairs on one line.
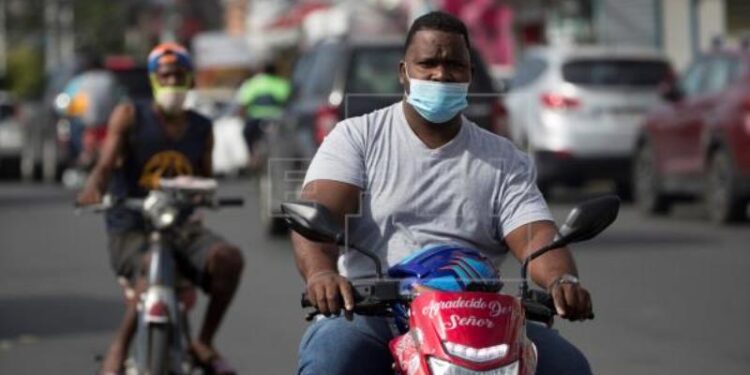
[[159, 304]]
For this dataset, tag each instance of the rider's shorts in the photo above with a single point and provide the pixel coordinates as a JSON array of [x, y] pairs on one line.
[[127, 250]]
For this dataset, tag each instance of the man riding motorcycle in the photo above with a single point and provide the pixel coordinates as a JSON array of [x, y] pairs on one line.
[[148, 140], [417, 174]]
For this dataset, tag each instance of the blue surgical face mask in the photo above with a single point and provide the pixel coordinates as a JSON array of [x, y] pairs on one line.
[[437, 102]]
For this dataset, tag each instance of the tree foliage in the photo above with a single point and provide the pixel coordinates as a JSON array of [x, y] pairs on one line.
[[25, 71]]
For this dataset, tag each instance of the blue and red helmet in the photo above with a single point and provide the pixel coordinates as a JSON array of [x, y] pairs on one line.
[[450, 268], [169, 53]]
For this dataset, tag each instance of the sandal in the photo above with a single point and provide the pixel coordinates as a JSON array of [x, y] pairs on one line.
[[217, 365]]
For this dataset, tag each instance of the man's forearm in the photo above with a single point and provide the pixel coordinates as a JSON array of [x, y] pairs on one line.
[[312, 257], [98, 179], [550, 266]]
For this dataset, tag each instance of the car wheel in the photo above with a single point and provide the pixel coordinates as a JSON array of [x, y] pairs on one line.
[[723, 201], [648, 195], [10, 167], [624, 190]]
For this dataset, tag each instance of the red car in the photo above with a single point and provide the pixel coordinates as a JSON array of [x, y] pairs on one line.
[[697, 144]]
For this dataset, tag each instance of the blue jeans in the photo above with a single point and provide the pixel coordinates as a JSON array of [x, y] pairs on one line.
[[335, 346]]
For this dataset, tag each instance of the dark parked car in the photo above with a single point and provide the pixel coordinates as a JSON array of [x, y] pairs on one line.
[[697, 145], [338, 79]]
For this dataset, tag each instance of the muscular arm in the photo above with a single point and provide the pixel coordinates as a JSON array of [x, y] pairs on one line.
[[547, 268], [341, 199], [118, 128], [316, 261], [572, 301]]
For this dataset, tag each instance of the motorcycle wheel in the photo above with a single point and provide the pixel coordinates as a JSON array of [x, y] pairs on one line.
[[158, 349]]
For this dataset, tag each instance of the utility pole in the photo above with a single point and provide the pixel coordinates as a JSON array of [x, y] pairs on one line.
[[67, 32], [51, 44], [171, 22]]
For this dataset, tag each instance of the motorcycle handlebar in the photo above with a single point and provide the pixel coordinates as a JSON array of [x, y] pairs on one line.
[[230, 201], [95, 208], [373, 297], [137, 204], [540, 306], [109, 202]]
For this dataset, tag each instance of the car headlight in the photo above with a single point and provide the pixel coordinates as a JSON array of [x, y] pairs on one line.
[[440, 367]]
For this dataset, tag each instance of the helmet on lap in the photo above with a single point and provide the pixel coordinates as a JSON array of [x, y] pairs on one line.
[[449, 268]]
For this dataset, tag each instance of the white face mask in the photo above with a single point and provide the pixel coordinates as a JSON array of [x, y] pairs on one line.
[[170, 99]]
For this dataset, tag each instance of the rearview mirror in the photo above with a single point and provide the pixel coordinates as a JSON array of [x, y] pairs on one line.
[[589, 219], [313, 221], [584, 222]]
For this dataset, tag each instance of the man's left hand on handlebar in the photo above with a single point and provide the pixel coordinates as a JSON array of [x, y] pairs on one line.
[[572, 301], [327, 290]]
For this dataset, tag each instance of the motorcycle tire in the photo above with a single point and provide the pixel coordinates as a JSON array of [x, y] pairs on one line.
[[158, 349]]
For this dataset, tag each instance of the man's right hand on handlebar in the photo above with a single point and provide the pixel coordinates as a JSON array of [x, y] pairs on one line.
[[327, 289], [89, 196]]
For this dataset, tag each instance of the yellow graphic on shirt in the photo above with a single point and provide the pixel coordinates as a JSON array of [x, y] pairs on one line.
[[164, 164]]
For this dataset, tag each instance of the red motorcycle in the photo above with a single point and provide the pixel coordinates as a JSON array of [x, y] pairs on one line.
[[456, 333]]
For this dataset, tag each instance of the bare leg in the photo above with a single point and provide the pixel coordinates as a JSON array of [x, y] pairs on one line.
[[118, 349], [224, 267]]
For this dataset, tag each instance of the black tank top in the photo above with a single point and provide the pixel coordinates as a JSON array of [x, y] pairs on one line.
[[149, 155]]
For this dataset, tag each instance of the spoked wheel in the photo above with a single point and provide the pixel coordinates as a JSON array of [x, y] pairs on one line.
[[158, 349], [723, 202], [648, 195]]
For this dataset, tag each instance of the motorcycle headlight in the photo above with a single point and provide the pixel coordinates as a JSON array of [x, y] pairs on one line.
[[440, 367], [158, 208], [476, 355], [167, 217]]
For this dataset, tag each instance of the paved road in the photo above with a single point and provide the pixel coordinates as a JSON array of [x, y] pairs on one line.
[[668, 293]]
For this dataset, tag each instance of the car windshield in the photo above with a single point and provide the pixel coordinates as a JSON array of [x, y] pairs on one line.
[[135, 82], [635, 73], [375, 71]]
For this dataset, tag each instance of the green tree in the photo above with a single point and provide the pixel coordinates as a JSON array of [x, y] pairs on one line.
[[25, 71], [100, 25]]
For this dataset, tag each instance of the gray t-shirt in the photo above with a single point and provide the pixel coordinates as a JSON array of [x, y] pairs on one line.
[[472, 191]]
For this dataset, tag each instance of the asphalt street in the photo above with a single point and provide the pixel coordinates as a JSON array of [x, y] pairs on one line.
[[669, 293]]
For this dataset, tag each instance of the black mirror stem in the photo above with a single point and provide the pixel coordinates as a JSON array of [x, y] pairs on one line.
[[525, 267], [375, 259]]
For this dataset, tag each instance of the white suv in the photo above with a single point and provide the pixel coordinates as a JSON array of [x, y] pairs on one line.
[[11, 136], [577, 110]]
